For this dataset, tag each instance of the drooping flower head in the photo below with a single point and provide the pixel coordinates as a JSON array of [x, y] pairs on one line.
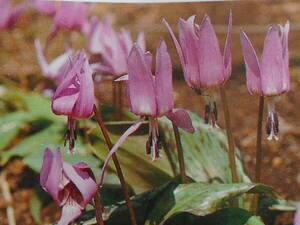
[[55, 69], [9, 15], [203, 65], [69, 16], [47, 8], [268, 75], [74, 97], [71, 186], [150, 96], [113, 47]]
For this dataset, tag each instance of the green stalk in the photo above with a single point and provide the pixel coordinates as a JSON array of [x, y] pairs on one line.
[[124, 186], [180, 154], [231, 152]]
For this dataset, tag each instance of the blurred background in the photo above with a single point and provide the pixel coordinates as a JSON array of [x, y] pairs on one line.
[[281, 167]]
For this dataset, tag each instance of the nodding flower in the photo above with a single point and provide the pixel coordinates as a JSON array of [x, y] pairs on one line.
[[69, 16], [9, 15], [150, 96], [74, 96], [268, 75], [113, 47], [72, 186], [204, 67]]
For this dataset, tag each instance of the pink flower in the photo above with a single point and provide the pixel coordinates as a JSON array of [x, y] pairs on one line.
[[150, 96], [48, 8], [71, 186], [113, 47], [55, 69], [198, 48], [268, 75], [9, 15], [204, 66], [71, 15], [74, 97]]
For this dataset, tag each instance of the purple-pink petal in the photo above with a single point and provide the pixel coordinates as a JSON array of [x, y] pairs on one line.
[[181, 119], [211, 65], [51, 172], [227, 50], [189, 43], [252, 65], [86, 99], [163, 80], [179, 50], [140, 84], [85, 184], [272, 64]]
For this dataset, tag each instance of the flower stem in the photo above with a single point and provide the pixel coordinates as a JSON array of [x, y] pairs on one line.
[[118, 167], [98, 209], [259, 139], [180, 154], [257, 178], [231, 152]]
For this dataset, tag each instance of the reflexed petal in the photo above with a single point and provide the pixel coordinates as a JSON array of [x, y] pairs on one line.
[[86, 99], [188, 41], [178, 48], [211, 65], [70, 211], [129, 131], [163, 80], [51, 172], [86, 185], [181, 119], [140, 84], [252, 65], [227, 49], [272, 64]]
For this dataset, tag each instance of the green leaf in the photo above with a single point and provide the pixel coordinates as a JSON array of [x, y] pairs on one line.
[[205, 152], [10, 124], [202, 199], [48, 136], [227, 216], [174, 203]]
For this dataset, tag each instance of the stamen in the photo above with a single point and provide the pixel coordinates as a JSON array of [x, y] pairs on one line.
[[153, 144], [211, 111]]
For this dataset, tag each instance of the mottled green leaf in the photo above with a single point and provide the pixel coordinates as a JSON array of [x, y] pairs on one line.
[[202, 199], [205, 152]]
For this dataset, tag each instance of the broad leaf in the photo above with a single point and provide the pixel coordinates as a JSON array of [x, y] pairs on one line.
[[205, 152]]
